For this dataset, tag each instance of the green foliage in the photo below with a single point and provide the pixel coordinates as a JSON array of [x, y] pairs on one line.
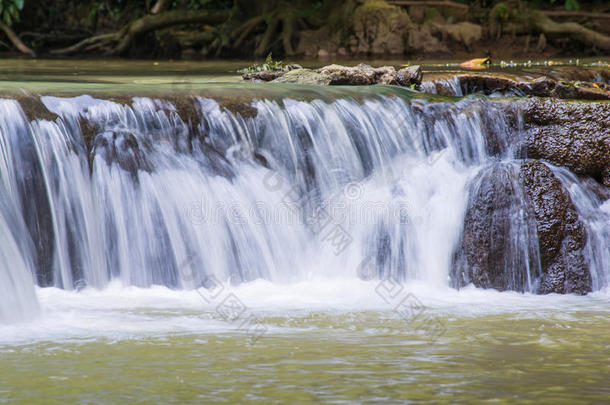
[[9, 10], [202, 4], [270, 65], [501, 11], [572, 5], [310, 11]]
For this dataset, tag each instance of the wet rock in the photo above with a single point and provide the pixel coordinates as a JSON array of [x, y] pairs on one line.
[[492, 252], [521, 218], [304, 76], [409, 75], [262, 76], [571, 134], [561, 234], [541, 87], [123, 148]]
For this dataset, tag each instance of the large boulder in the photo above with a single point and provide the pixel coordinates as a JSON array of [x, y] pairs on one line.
[[522, 233], [571, 134], [561, 234], [492, 252]]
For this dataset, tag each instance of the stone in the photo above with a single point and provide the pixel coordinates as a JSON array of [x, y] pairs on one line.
[[409, 75], [304, 76], [575, 135], [561, 234]]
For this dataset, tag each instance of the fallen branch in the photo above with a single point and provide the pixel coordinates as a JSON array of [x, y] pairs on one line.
[[559, 13], [439, 3], [15, 40]]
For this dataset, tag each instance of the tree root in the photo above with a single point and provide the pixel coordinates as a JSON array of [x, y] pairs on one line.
[[118, 43], [550, 28], [15, 40], [263, 46]]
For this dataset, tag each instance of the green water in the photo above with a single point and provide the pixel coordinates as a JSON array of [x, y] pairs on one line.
[[357, 357]]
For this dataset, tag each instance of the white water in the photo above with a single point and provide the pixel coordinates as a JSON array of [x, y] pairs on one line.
[[373, 189]]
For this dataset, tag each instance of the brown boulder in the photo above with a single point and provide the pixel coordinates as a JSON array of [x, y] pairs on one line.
[[571, 134], [522, 233], [561, 234]]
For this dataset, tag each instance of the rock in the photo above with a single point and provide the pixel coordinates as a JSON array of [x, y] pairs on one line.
[[490, 253], [361, 75], [388, 78], [267, 76], [540, 87], [409, 75], [561, 234], [521, 218], [571, 134], [122, 147], [262, 76], [323, 54], [304, 76], [464, 33], [380, 28], [421, 41]]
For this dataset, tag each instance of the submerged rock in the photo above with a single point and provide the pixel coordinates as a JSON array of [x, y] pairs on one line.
[[561, 234], [571, 134]]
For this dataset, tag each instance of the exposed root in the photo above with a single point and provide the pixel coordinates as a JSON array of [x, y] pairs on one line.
[[15, 40], [263, 46], [118, 43], [573, 30]]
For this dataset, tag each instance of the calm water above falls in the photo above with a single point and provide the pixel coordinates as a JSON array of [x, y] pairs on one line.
[[309, 244]]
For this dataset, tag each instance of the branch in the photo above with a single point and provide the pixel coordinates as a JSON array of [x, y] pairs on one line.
[[159, 6], [14, 38], [559, 13], [440, 3], [87, 43]]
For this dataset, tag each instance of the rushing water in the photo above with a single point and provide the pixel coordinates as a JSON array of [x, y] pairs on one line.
[[303, 242]]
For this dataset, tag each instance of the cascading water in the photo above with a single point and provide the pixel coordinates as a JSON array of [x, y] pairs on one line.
[[301, 189]]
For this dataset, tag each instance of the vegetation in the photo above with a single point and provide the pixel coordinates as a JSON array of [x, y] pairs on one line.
[[244, 28], [270, 65]]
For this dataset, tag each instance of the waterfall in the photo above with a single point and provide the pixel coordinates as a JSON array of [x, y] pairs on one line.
[[374, 187]]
